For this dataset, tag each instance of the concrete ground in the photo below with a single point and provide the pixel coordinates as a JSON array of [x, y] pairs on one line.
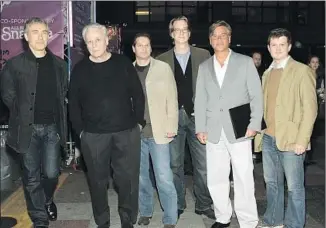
[[75, 211]]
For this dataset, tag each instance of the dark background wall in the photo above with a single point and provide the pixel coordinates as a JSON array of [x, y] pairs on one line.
[[250, 21]]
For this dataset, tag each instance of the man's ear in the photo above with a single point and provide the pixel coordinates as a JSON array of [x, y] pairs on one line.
[[107, 40], [172, 35]]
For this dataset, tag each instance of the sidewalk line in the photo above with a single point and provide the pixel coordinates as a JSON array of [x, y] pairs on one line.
[[15, 205]]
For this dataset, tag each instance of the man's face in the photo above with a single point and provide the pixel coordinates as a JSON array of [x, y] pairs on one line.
[[37, 36], [220, 39], [96, 42], [181, 33], [314, 63], [256, 57], [142, 48], [279, 48]]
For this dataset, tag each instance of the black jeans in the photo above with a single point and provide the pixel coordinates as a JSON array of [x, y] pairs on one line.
[[41, 168], [121, 150]]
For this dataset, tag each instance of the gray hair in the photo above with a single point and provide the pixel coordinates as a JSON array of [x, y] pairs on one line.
[[180, 18], [34, 20], [94, 25], [218, 24]]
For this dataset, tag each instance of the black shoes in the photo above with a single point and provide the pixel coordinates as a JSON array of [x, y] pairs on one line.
[[220, 225], [105, 225], [7, 222], [180, 212], [209, 213], [127, 225], [52, 212], [257, 158], [144, 221]]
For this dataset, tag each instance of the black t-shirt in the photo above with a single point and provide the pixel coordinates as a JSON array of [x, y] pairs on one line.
[[106, 97], [46, 92]]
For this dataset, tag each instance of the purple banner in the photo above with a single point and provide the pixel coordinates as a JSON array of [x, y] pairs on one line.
[[81, 13], [13, 17]]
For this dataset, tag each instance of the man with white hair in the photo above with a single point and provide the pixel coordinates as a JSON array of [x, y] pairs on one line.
[[107, 112]]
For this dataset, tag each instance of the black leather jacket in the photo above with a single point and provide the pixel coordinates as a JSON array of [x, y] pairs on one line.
[[18, 86]]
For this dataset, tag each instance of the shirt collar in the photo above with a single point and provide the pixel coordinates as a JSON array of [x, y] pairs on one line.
[[282, 64], [226, 61], [185, 54]]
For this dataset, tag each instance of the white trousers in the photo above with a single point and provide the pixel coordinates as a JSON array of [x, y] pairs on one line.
[[219, 157]]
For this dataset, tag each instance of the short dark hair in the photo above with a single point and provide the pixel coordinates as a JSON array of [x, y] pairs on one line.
[[142, 34], [178, 18], [256, 52], [277, 33], [219, 23], [313, 56], [34, 20]]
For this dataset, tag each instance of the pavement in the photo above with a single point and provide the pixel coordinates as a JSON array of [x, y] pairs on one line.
[[75, 210]]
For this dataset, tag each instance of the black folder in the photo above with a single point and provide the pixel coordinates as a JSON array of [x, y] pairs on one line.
[[240, 118]]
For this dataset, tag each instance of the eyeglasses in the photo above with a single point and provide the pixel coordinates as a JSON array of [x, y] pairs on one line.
[[179, 31], [223, 36]]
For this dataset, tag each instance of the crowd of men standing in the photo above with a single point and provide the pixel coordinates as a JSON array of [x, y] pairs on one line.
[[127, 113]]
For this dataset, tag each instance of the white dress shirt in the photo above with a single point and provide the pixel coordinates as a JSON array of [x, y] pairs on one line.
[[221, 70], [282, 64]]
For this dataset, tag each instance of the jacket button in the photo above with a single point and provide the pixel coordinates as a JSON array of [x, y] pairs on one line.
[[30, 124], [32, 94], [30, 108]]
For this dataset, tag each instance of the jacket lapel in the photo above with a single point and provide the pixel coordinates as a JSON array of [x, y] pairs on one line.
[[149, 73], [285, 80], [212, 71], [231, 71], [171, 59], [283, 85], [194, 66], [265, 79]]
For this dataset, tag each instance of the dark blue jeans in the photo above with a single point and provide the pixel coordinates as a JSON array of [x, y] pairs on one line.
[[278, 164], [41, 168], [186, 130]]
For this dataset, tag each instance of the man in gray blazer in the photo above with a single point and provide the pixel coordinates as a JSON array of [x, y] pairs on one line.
[[184, 61], [228, 80]]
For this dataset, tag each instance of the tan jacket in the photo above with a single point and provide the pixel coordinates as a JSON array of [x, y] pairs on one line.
[[161, 93], [296, 106]]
